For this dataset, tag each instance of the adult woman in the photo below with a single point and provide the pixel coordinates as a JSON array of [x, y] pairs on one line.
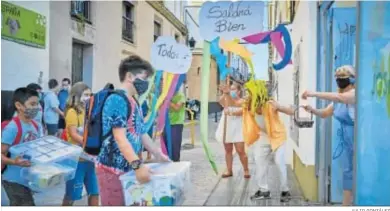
[[271, 143], [234, 133], [342, 109], [85, 173]]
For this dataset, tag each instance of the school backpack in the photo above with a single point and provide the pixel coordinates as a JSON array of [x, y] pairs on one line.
[[18, 137], [93, 124]]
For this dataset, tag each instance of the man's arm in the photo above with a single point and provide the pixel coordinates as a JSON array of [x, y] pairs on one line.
[[54, 104], [153, 149], [284, 109], [124, 145]]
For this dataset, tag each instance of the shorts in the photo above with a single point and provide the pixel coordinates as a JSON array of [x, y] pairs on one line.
[[52, 129], [61, 123], [85, 175], [18, 195]]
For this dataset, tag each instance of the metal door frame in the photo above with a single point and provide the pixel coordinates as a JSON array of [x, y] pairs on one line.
[[323, 146]]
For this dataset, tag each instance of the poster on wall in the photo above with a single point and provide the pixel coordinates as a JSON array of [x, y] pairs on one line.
[[22, 26], [231, 20]]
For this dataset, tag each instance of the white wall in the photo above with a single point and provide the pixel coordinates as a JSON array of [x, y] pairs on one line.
[[21, 64], [305, 16]]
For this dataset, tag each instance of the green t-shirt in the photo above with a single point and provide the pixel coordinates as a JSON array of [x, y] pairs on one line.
[[177, 117]]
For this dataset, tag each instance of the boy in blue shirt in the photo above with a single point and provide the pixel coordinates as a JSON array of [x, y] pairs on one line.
[[125, 136], [51, 112], [26, 102]]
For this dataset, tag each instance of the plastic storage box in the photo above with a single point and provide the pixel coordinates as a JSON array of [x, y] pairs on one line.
[[168, 185], [53, 161]]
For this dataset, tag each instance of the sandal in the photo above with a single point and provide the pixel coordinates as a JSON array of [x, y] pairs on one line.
[[227, 175], [247, 175]]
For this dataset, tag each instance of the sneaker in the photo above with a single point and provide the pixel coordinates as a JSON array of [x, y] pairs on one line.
[[285, 196], [261, 195]]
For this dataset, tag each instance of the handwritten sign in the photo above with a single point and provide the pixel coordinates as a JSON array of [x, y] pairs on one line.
[[231, 19], [170, 56]]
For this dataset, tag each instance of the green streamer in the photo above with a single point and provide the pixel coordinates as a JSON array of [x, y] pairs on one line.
[[204, 99]]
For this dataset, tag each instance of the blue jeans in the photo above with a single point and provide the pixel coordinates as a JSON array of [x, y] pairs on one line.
[[85, 175], [52, 129]]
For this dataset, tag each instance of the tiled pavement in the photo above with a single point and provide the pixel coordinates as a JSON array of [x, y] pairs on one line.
[[236, 191], [207, 188]]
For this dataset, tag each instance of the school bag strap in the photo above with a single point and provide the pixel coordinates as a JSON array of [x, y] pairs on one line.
[[86, 123]]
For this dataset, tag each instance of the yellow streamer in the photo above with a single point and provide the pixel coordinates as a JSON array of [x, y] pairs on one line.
[[235, 47], [167, 80]]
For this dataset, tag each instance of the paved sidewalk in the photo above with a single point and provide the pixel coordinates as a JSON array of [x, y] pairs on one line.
[[236, 191], [203, 177]]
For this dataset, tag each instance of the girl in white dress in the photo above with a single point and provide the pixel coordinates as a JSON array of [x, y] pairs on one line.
[[234, 132]]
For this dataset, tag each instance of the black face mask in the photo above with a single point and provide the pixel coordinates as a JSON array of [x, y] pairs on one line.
[[141, 86], [342, 83]]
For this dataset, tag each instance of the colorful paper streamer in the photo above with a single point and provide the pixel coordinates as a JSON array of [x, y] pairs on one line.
[[204, 99], [275, 37], [220, 58]]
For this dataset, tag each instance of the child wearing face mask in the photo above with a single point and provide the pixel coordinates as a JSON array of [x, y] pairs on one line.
[[20, 129], [85, 172]]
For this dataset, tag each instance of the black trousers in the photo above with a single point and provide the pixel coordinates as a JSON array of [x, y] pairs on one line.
[[177, 138]]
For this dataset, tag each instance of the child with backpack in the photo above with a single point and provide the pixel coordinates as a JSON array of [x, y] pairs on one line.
[[121, 134], [85, 173], [20, 129]]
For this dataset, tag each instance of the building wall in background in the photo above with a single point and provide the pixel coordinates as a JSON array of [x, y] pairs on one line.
[[22, 64], [102, 38], [301, 152]]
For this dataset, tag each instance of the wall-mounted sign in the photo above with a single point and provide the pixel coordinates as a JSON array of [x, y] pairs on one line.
[[170, 56], [231, 20], [22, 25]]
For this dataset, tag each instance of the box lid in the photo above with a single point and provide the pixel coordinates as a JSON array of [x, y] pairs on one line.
[[161, 169], [45, 149]]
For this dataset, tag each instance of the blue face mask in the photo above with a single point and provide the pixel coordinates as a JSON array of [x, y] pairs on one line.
[[233, 94], [141, 86]]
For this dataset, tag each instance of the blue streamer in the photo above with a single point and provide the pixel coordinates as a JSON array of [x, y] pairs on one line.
[[157, 81], [287, 43], [288, 47], [220, 58]]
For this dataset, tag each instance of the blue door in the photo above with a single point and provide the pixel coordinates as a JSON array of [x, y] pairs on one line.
[[372, 152], [343, 33]]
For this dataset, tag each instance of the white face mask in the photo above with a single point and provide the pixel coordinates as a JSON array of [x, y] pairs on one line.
[[84, 99]]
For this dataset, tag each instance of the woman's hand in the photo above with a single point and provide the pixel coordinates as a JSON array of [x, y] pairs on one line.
[[226, 111], [308, 108], [224, 88], [307, 94]]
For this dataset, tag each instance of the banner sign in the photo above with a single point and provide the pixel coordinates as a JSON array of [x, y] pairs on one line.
[[170, 56], [22, 26], [231, 20]]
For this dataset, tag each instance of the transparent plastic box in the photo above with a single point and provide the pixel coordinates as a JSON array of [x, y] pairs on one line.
[[168, 186], [53, 162]]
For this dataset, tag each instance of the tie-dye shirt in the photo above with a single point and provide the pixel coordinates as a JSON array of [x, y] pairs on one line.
[[115, 111]]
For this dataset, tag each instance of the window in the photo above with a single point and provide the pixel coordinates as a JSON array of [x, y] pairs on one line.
[[128, 22], [157, 30], [81, 9]]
